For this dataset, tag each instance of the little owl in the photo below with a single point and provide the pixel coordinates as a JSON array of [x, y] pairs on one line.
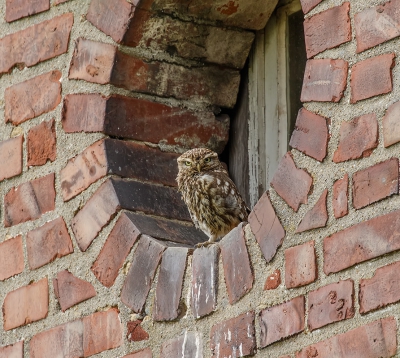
[[212, 198]]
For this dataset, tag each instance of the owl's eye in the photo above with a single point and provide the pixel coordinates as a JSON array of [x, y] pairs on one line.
[[188, 163], [207, 160]]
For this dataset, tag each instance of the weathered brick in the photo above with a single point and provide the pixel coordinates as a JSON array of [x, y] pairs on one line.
[[300, 265], [11, 258], [169, 285], [17, 9], [237, 269], [36, 43], [380, 290], [340, 197], [374, 340], [15, 350], [285, 176], [141, 274], [135, 332], [48, 242], [317, 216], [331, 303], [143, 353], [42, 143], [391, 129], [71, 290], [308, 5], [282, 321], [357, 138], [372, 77], [273, 281], [377, 24], [26, 304], [310, 134], [324, 80], [234, 337], [204, 278], [56, 2], [11, 153], [190, 344], [361, 242], [333, 26], [375, 183], [266, 227], [29, 201]]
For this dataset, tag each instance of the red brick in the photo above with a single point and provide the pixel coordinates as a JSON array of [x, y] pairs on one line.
[[310, 134], [391, 129], [17, 9], [285, 176], [26, 304], [11, 258], [300, 265], [237, 269], [358, 138], [190, 344], [56, 2], [29, 201], [333, 26], [308, 5], [135, 332], [15, 350], [266, 227], [372, 77], [169, 285], [204, 277], [235, 337], [143, 353], [47, 243], [340, 197], [115, 250], [282, 321], [331, 303], [361, 242], [71, 290], [380, 290], [324, 80], [316, 217], [377, 24], [141, 274], [374, 340], [375, 183], [36, 43], [42, 143], [11, 153], [273, 281]]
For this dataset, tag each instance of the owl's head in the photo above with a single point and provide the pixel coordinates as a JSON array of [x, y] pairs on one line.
[[198, 160]]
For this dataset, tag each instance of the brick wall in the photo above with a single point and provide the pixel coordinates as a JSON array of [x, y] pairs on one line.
[[97, 100]]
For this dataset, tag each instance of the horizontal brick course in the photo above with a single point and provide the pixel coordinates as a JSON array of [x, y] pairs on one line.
[[11, 258], [11, 152], [17, 9], [15, 350], [42, 143]]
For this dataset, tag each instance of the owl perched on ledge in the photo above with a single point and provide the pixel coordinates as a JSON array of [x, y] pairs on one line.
[[212, 198]]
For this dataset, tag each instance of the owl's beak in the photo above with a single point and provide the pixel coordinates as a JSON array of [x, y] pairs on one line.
[[198, 167]]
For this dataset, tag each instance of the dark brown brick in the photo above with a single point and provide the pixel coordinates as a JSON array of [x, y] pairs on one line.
[[340, 197], [308, 5], [380, 290], [371, 77], [17, 9], [310, 134], [204, 279], [135, 332], [391, 129], [331, 303], [324, 80], [11, 153], [47, 243], [317, 216], [282, 321], [26, 304], [375, 183], [11, 258], [377, 24], [15, 350], [333, 26], [190, 344], [235, 259], [42, 143], [358, 138], [71, 290], [374, 340], [169, 285], [115, 250], [361, 242], [300, 265], [285, 176], [36, 43], [143, 353], [235, 337], [29, 201], [273, 281], [141, 274]]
